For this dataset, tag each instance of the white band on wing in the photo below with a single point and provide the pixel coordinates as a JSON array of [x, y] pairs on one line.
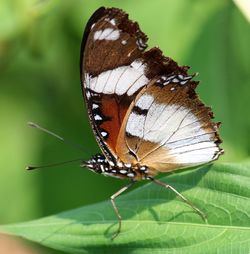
[[124, 79]]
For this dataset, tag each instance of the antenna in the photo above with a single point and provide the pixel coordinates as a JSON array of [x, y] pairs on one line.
[[75, 146], [51, 165]]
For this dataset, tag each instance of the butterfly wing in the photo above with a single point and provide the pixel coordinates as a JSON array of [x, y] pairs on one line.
[[111, 76], [168, 127], [142, 106]]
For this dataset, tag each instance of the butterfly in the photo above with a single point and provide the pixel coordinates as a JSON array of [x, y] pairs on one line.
[[142, 106]]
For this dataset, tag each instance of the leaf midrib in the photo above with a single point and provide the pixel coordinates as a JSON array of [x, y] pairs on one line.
[[128, 221]]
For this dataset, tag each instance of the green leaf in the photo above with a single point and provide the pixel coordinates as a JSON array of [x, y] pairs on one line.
[[155, 221]]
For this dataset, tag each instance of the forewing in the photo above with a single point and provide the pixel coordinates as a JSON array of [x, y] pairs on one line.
[[111, 76]]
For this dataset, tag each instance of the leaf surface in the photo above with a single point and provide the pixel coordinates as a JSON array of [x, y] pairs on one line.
[[155, 220]]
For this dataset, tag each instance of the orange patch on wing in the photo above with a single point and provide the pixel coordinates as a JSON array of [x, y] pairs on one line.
[[115, 114]]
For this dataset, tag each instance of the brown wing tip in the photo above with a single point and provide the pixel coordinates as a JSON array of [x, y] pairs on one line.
[[93, 19], [216, 127], [126, 25], [158, 64]]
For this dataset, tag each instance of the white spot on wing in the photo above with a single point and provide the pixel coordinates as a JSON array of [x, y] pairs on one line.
[[95, 106], [111, 163], [87, 80], [104, 134], [113, 36], [175, 80], [88, 94], [112, 21], [144, 101], [183, 82], [119, 164], [141, 45], [97, 117], [107, 34], [97, 34], [131, 174], [102, 168], [123, 171]]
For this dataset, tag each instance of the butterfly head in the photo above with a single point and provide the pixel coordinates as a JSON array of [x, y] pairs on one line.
[[98, 164]]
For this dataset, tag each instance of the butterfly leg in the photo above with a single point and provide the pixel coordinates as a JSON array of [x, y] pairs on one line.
[[112, 198], [167, 186]]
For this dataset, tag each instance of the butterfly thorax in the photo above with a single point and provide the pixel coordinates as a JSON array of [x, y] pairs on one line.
[[99, 164]]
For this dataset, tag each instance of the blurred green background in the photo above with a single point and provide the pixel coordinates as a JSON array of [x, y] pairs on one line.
[[40, 82]]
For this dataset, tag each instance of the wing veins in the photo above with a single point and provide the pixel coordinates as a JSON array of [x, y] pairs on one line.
[[127, 67], [188, 151], [155, 149], [171, 99], [192, 137]]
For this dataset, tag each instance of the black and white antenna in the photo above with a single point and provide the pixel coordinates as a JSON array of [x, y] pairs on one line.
[[73, 145]]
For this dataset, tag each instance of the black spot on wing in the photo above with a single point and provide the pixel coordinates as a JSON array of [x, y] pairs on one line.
[[140, 111]]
